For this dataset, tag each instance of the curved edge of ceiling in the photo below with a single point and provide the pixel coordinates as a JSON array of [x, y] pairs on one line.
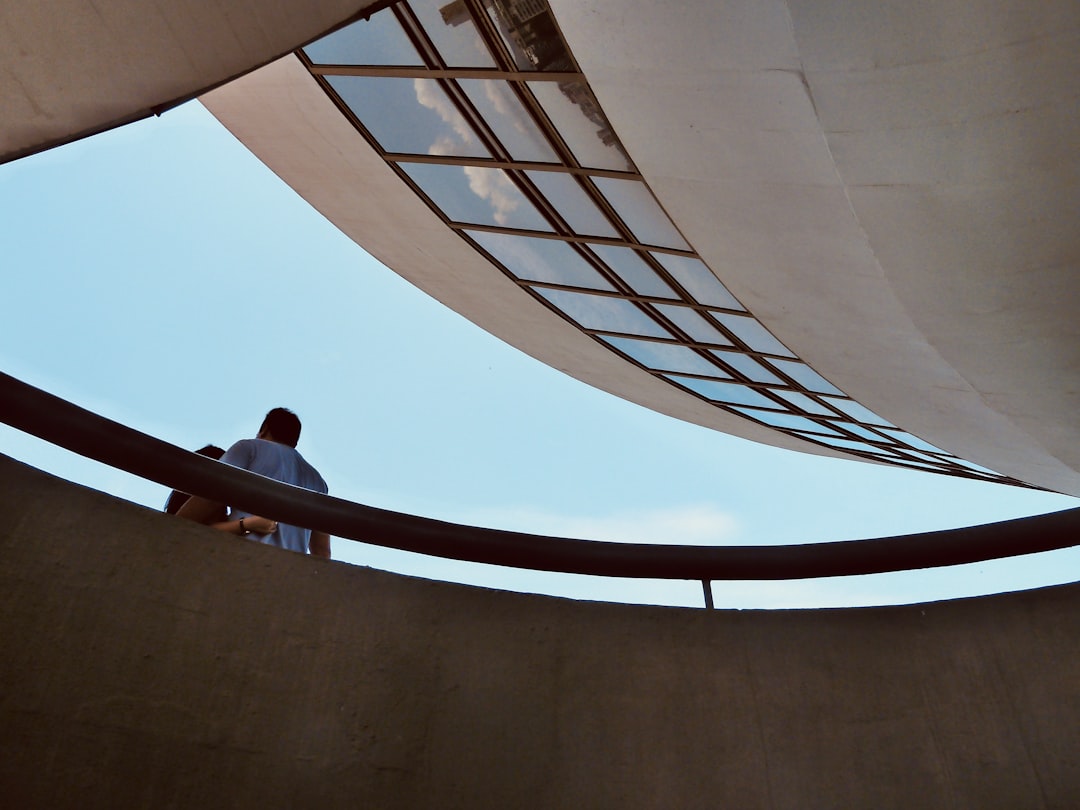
[[285, 120], [72, 69], [815, 280], [788, 212]]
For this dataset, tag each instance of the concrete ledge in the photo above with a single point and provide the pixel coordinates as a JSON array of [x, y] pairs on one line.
[[150, 662]]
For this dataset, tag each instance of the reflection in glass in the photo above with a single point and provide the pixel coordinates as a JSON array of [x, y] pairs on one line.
[[866, 433], [628, 265], [547, 260], [512, 125], [789, 421], [575, 112], [530, 35], [748, 366], [605, 313], [926, 457], [753, 334], [849, 444], [637, 207], [730, 393], [698, 280], [567, 197], [907, 438], [450, 26], [858, 412], [806, 377], [691, 322], [805, 403], [418, 117], [478, 195], [414, 116], [665, 356], [378, 41]]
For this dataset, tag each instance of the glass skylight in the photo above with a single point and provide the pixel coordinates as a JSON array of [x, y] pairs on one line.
[[481, 108]]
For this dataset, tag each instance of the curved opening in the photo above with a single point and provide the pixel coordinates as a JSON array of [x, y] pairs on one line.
[[60, 422]]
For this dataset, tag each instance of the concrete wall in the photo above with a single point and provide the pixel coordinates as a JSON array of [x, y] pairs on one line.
[[147, 662]]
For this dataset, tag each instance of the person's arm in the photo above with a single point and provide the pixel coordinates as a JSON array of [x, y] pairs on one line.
[[211, 513], [319, 544], [201, 510]]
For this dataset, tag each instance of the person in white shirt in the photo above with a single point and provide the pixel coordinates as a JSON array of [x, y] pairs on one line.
[[271, 453]]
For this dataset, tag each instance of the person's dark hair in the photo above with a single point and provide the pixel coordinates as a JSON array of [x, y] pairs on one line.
[[283, 425], [177, 498]]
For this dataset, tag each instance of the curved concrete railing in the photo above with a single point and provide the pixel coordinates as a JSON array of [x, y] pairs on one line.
[[151, 662], [67, 425]]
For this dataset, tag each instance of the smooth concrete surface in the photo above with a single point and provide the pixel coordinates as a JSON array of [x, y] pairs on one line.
[[889, 188], [70, 68], [148, 662], [280, 114]]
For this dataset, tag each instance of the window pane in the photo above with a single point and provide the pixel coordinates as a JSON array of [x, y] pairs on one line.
[[851, 444], [788, 420], [665, 356], [806, 376], [604, 313], [745, 364], [635, 204], [576, 114], [378, 41], [730, 393], [752, 333], [628, 265], [568, 197], [530, 35], [805, 403], [914, 441], [926, 457], [691, 322], [477, 195], [858, 412], [510, 122], [413, 116], [698, 280], [866, 433], [451, 28], [534, 259]]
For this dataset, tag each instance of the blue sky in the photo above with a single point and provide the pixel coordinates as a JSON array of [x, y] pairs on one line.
[[161, 276]]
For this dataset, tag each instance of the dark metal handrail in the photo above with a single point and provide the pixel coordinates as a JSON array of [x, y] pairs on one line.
[[62, 423]]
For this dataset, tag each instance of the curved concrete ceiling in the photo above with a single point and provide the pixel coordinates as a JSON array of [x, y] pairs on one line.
[[69, 69], [892, 191], [281, 115]]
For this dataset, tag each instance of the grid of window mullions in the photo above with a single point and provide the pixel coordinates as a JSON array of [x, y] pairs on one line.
[[519, 165], [623, 292], [518, 81], [573, 238], [393, 72]]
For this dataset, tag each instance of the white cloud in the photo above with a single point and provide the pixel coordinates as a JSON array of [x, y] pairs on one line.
[[696, 525], [495, 187], [429, 96]]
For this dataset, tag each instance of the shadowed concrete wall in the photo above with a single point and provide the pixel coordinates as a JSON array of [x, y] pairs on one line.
[[148, 662]]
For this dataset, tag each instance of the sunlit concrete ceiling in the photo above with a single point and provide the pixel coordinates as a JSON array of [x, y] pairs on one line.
[[891, 190], [70, 68], [891, 187]]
